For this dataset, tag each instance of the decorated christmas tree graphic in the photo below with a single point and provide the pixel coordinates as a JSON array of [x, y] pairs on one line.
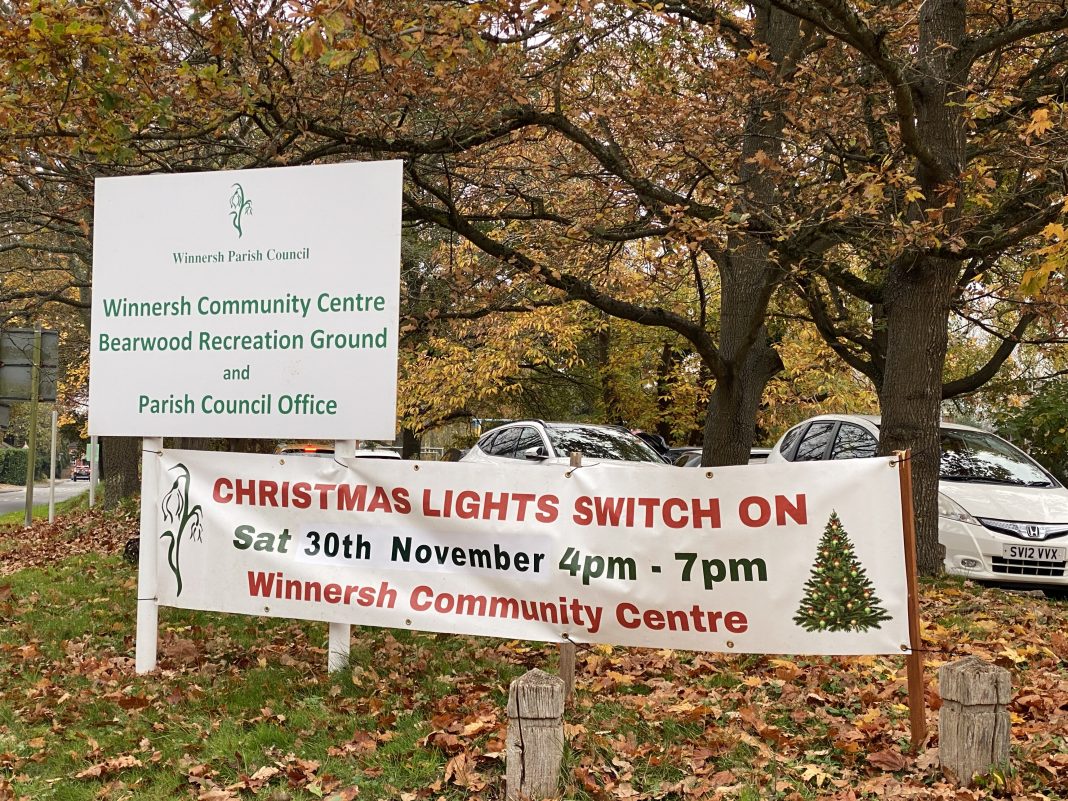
[[839, 596]]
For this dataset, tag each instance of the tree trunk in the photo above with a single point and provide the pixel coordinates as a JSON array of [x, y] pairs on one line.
[[919, 288], [613, 408], [411, 444], [731, 422], [120, 468], [241, 445], [669, 358], [748, 270], [917, 305], [192, 443]]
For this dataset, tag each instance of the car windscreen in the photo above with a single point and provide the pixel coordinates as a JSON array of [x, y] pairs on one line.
[[600, 443], [975, 456]]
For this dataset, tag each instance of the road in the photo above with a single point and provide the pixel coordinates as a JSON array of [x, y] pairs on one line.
[[14, 500]]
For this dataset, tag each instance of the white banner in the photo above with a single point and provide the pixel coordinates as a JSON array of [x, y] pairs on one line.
[[247, 303], [764, 559]]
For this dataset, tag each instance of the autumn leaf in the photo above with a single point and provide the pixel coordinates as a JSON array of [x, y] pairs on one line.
[[815, 774], [1039, 124], [109, 767], [443, 741], [460, 770], [257, 781], [888, 760]]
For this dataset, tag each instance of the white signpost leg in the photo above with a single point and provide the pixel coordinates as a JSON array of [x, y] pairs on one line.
[[340, 639], [147, 602], [52, 474], [94, 470]]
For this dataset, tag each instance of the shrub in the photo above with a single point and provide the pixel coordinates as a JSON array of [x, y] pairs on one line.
[[1041, 427]]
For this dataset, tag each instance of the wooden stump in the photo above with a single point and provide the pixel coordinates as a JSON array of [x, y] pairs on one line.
[[535, 736], [973, 724]]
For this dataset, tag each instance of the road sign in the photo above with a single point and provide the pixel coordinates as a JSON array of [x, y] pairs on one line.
[[16, 364]]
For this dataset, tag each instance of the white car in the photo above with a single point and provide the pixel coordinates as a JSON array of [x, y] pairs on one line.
[[1002, 518], [538, 442]]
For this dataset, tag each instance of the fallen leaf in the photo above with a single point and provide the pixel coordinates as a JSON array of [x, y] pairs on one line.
[[887, 760], [109, 766]]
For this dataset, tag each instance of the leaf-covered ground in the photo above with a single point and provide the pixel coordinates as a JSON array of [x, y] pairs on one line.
[[241, 707]]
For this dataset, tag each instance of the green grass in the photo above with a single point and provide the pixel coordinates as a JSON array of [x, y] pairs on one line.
[[233, 695], [238, 697]]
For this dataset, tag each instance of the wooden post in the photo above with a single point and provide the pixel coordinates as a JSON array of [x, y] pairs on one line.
[[535, 746], [567, 668], [914, 661], [973, 724]]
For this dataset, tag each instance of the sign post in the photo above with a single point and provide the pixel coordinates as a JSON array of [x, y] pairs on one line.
[[914, 659], [339, 639], [29, 361], [147, 598], [31, 444], [230, 312], [52, 471], [94, 469]]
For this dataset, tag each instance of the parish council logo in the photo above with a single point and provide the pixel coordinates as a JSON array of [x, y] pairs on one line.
[[239, 206]]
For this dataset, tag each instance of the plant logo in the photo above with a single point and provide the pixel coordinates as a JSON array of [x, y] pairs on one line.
[[181, 519], [239, 206]]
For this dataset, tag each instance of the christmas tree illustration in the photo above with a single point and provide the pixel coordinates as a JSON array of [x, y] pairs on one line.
[[839, 596]]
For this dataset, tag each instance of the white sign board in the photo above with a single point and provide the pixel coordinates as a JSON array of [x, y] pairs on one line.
[[769, 559], [251, 303]]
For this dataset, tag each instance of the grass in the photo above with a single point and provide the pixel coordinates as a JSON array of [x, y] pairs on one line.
[[242, 707], [234, 695]]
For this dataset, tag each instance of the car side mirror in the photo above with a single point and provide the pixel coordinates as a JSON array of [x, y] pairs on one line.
[[536, 453]]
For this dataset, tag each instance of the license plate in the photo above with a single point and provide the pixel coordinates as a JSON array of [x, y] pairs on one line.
[[1037, 553]]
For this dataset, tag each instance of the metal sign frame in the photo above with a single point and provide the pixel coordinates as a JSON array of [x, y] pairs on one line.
[[16, 364]]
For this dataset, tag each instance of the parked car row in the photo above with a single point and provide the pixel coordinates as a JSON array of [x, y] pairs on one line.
[[1003, 519]]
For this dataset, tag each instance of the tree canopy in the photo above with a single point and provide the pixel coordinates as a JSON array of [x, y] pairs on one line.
[[733, 176]]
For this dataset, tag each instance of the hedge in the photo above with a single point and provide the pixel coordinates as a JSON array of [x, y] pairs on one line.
[[13, 466]]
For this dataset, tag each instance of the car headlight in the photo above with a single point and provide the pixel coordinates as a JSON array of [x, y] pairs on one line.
[[954, 511]]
